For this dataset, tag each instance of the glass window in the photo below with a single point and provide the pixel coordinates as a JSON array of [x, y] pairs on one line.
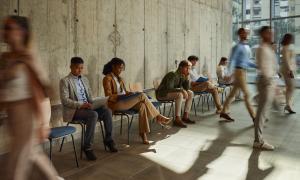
[[236, 17], [285, 8], [253, 38], [289, 25], [259, 9], [256, 13], [237, 11]]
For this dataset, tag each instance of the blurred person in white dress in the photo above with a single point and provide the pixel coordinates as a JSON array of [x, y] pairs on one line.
[[23, 85], [287, 69]]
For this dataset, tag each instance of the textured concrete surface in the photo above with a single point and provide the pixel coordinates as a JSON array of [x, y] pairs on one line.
[[148, 34]]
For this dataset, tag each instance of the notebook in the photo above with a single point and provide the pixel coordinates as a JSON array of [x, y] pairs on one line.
[[202, 79], [126, 97]]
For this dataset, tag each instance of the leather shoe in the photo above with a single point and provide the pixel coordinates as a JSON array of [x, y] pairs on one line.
[[111, 146], [188, 121], [90, 155], [179, 124]]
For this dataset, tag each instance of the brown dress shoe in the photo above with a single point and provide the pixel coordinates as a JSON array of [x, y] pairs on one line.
[[188, 121], [179, 124]]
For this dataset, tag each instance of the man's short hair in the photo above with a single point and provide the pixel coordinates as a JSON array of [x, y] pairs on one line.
[[77, 60], [240, 30], [263, 29], [184, 63], [193, 58]]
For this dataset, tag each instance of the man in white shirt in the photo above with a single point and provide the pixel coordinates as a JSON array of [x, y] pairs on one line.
[[266, 66], [200, 83]]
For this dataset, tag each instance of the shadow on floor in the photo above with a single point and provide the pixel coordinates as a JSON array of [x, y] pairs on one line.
[[150, 170]]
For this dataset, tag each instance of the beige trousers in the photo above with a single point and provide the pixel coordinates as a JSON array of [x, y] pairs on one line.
[[146, 110], [210, 88], [239, 84], [290, 86], [25, 153], [178, 97], [265, 87]]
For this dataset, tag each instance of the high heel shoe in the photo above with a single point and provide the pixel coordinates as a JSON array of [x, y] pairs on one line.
[[144, 138], [111, 146], [289, 110]]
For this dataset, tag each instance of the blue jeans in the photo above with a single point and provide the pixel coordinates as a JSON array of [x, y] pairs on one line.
[[90, 117]]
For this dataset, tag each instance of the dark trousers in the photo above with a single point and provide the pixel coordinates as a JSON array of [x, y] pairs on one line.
[[90, 118]]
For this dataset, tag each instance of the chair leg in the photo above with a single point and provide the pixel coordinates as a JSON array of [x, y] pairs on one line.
[[200, 98], [173, 111], [129, 126], [121, 126], [50, 153], [102, 132], [164, 109], [207, 100], [171, 108], [194, 104], [62, 142], [74, 150], [82, 139], [223, 96]]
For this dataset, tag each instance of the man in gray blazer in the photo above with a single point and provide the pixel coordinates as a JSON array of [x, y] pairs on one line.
[[76, 97]]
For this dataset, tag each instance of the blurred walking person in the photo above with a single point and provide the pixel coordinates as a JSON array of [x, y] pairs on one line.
[[240, 60], [287, 69], [267, 71], [23, 83]]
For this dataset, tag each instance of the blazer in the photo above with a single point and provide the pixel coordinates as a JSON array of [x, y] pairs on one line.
[[68, 96], [172, 82], [110, 89]]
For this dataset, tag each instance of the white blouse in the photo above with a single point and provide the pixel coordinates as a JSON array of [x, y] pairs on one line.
[[14, 83], [119, 90], [288, 59]]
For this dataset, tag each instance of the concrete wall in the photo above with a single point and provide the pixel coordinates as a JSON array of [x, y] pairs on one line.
[[148, 34]]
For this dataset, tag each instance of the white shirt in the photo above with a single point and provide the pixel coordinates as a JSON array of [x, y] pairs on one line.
[[194, 76], [266, 61], [81, 92], [119, 90], [222, 71]]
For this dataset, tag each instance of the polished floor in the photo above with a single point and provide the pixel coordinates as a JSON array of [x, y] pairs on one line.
[[208, 150]]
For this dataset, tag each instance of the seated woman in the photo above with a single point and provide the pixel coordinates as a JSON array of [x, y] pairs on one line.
[[201, 83], [224, 78], [175, 86], [120, 99]]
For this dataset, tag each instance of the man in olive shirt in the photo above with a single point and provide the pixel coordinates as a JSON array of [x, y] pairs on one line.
[[175, 86]]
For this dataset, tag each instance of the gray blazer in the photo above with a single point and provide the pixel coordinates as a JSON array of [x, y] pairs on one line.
[[68, 96]]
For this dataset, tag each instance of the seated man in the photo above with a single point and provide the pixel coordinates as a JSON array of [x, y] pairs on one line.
[[175, 86], [76, 97], [201, 83]]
